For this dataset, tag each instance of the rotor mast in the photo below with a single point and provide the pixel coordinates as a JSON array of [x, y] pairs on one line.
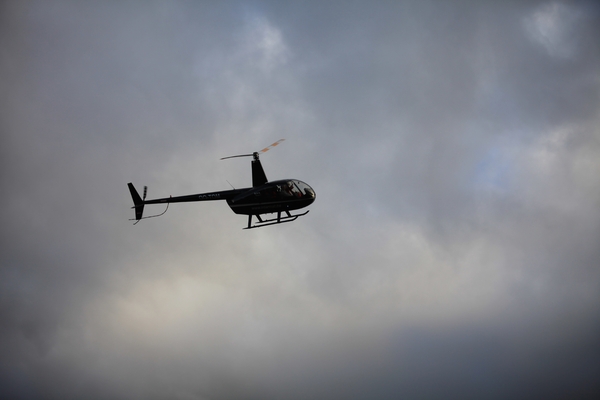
[[259, 177]]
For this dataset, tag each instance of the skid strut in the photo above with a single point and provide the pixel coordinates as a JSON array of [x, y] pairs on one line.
[[273, 221]]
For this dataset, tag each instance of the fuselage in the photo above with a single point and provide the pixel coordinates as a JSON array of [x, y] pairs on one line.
[[272, 197]]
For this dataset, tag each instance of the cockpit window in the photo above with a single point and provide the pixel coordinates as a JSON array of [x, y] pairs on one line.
[[295, 189], [305, 190]]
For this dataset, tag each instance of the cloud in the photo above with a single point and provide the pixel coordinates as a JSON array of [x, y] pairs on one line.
[[452, 249], [551, 25]]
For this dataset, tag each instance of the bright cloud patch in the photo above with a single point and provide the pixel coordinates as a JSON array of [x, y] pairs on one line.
[[551, 26], [264, 44]]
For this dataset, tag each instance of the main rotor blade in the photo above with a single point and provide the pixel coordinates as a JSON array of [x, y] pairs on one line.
[[271, 146], [262, 151], [241, 155]]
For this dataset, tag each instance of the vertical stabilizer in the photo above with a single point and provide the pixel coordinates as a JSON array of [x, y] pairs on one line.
[[258, 173], [137, 201]]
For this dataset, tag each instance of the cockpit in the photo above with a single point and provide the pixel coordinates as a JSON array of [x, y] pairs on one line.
[[295, 188], [276, 196]]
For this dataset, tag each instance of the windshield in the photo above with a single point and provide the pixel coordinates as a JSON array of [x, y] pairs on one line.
[[295, 188], [304, 189]]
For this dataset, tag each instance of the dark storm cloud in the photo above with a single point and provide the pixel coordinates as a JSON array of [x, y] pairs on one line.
[[452, 250]]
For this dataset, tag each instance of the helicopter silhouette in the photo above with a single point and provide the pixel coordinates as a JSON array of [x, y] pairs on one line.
[[264, 197]]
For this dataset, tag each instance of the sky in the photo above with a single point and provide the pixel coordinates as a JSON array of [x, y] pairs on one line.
[[452, 250]]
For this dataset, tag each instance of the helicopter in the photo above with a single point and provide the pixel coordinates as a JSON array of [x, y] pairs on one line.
[[264, 197]]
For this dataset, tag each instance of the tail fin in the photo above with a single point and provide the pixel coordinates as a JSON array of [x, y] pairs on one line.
[[137, 201]]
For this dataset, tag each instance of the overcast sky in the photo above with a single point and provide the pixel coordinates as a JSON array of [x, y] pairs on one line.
[[453, 250]]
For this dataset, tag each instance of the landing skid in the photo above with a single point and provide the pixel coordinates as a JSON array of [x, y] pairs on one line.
[[274, 221]]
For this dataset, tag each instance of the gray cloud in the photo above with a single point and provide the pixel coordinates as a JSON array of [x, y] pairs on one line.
[[452, 249]]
